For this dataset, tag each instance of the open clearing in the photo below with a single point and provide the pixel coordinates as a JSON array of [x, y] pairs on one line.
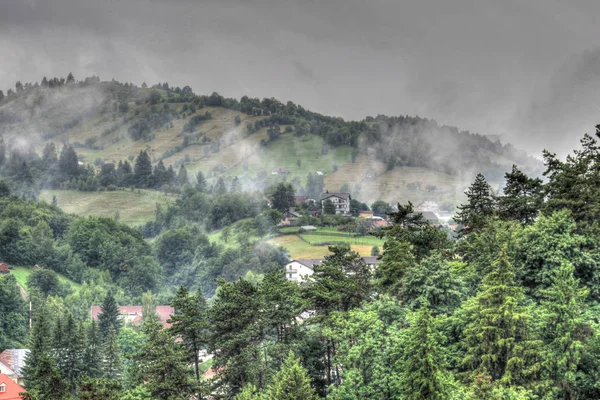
[[134, 207], [298, 248], [22, 273]]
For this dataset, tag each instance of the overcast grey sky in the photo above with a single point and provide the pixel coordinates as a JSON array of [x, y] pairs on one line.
[[525, 69]]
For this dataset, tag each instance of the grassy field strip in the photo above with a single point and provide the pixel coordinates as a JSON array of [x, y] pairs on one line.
[[299, 248], [22, 273], [135, 208]]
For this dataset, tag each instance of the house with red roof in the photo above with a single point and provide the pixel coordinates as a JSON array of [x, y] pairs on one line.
[[9, 390], [133, 314]]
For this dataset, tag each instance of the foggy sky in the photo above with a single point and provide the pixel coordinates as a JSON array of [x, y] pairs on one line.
[[528, 70]]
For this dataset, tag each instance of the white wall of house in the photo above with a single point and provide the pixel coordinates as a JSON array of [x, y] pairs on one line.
[[294, 271], [342, 206]]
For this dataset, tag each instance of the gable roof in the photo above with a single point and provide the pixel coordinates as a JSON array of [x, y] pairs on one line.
[[11, 389], [308, 262], [370, 260], [311, 262], [345, 196], [164, 313]]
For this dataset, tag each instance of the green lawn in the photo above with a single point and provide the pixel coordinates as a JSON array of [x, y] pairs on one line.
[[298, 248], [135, 208], [22, 273], [360, 240]]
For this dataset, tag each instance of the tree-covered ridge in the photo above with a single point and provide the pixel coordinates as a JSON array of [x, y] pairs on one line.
[[395, 141]]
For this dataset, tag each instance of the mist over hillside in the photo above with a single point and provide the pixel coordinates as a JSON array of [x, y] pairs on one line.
[[252, 140]]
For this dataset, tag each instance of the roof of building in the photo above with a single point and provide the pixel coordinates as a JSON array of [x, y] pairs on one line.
[[308, 262], [164, 313], [370, 260], [308, 228], [311, 262], [345, 196], [14, 359], [11, 389], [292, 212], [428, 215]]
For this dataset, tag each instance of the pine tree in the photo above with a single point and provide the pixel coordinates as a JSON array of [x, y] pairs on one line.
[[42, 378], [68, 163], [522, 198], [190, 324], [109, 316], [236, 186], [432, 281], [564, 332], [498, 334], [201, 185], [424, 374], [397, 258], [142, 171], [182, 176], [92, 354], [283, 197], [160, 175], [291, 382], [219, 187], [163, 364], [112, 360], [480, 206], [69, 345], [70, 78]]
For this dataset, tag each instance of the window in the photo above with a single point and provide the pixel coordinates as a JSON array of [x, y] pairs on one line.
[[290, 275], [3, 388]]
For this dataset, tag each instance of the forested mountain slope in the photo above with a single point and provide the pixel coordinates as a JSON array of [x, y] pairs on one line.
[[390, 158]]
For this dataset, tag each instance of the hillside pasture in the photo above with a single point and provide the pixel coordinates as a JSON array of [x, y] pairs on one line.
[[22, 273], [298, 246], [135, 207]]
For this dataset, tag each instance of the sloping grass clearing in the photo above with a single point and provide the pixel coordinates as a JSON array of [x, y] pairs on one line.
[[134, 207]]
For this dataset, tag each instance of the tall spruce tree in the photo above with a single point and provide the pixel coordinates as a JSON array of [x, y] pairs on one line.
[[201, 185], [182, 176], [564, 331], [68, 163], [397, 258], [434, 282], [424, 374], [522, 198], [498, 334], [111, 367], [160, 175], [42, 378], [109, 315], [163, 365], [92, 354], [291, 382], [142, 170], [480, 206], [190, 324]]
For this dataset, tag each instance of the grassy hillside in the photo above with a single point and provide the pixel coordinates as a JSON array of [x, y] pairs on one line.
[[134, 207], [22, 273], [374, 159]]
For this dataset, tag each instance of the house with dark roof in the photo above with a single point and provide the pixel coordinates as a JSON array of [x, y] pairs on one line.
[[9, 389], [341, 201], [133, 314]]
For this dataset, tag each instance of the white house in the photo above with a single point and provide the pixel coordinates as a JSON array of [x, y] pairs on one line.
[[296, 269], [341, 201]]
